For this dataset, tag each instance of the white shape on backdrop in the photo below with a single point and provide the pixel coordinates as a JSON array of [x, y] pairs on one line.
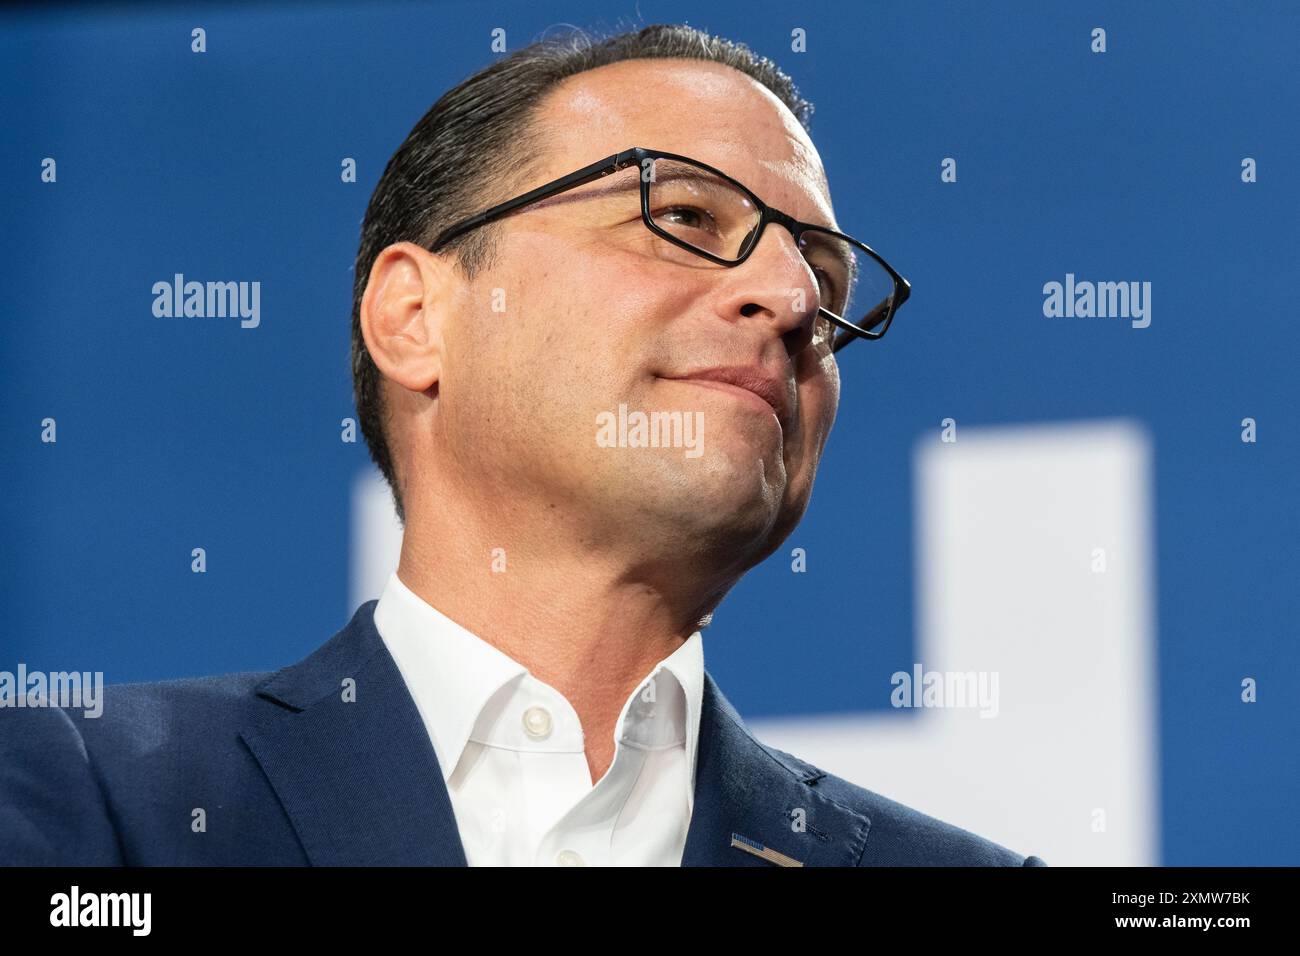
[[1007, 520], [376, 539]]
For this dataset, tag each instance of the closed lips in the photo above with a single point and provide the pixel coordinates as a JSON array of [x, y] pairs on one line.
[[745, 381]]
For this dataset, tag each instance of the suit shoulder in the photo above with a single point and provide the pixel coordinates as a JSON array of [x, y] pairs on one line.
[[161, 714], [106, 779], [898, 834], [214, 690], [113, 704], [217, 692]]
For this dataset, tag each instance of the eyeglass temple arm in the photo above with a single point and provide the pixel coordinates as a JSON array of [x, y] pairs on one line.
[[579, 178]]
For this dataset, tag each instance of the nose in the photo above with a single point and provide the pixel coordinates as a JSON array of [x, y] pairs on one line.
[[776, 285]]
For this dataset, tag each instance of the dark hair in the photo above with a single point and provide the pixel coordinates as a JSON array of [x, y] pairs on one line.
[[474, 147]]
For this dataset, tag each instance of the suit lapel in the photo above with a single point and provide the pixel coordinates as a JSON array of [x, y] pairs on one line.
[[764, 798], [359, 780]]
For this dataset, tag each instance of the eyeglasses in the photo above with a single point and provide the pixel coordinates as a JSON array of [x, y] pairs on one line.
[[706, 213]]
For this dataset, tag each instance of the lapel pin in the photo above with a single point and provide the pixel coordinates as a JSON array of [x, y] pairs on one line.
[[767, 853]]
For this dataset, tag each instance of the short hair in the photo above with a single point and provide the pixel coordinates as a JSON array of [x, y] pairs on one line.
[[476, 143]]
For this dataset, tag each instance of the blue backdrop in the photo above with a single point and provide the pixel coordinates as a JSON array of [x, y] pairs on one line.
[[1122, 165]]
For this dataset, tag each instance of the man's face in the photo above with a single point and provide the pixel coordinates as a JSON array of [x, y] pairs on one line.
[[595, 316]]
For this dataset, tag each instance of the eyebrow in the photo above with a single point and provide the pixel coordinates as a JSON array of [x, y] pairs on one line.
[[620, 185]]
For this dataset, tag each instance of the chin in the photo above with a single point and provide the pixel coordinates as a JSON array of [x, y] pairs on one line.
[[734, 492], [739, 503]]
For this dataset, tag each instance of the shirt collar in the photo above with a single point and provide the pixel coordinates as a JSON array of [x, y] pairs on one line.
[[452, 675]]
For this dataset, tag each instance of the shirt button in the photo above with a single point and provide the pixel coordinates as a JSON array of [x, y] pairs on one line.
[[537, 723], [569, 858]]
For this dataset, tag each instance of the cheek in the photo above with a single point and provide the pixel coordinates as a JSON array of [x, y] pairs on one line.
[[604, 328], [819, 397], [578, 296], [562, 353], [629, 308], [831, 397]]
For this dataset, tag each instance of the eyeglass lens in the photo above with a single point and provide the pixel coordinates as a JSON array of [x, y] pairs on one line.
[[711, 214]]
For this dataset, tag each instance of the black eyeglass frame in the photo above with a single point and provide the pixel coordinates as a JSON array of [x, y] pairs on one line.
[[881, 316]]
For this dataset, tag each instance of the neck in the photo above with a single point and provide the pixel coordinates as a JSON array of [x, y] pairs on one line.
[[587, 614]]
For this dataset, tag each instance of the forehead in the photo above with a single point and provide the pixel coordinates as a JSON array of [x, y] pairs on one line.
[[697, 108]]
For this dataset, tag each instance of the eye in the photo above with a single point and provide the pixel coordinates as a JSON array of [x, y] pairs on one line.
[[826, 288], [688, 217]]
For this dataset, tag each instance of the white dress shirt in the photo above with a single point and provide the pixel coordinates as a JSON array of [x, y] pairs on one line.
[[512, 753]]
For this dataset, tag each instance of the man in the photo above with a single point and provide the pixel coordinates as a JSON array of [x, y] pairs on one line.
[[529, 688]]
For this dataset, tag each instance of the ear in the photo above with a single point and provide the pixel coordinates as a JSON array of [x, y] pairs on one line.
[[406, 303]]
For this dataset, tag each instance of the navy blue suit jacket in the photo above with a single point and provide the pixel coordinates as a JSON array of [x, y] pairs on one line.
[[287, 772]]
